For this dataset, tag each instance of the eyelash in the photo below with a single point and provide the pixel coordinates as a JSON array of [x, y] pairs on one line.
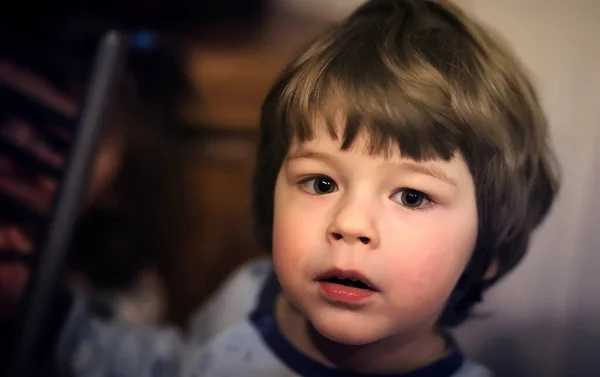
[[307, 179], [426, 198]]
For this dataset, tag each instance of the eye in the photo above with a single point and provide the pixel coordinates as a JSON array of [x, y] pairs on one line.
[[411, 199], [320, 185]]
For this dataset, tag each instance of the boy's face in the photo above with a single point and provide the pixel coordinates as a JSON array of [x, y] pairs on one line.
[[405, 228]]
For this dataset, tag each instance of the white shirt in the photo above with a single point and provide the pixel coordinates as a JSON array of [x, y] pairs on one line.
[[233, 335]]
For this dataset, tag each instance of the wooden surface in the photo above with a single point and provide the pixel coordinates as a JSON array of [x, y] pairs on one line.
[[232, 77]]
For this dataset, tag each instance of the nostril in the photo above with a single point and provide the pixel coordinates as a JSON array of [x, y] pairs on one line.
[[336, 236], [364, 240]]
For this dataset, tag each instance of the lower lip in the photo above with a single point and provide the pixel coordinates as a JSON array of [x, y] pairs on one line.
[[343, 293]]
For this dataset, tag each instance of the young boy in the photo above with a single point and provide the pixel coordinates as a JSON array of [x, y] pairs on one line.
[[403, 164]]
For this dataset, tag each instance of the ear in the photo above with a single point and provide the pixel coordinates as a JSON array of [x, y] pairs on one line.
[[492, 271]]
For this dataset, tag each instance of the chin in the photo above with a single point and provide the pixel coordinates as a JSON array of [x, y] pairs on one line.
[[351, 329]]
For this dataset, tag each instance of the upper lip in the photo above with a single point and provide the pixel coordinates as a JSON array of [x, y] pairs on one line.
[[346, 274]]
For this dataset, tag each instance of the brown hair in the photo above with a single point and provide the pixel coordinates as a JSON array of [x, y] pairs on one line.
[[422, 76]]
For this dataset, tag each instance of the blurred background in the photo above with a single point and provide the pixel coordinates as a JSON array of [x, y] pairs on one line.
[[167, 216]]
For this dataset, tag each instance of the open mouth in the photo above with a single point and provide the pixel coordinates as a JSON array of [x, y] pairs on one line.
[[349, 283], [346, 286], [347, 278]]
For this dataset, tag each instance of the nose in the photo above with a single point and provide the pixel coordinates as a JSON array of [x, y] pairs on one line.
[[354, 223]]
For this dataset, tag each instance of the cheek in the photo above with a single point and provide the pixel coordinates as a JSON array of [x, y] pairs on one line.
[[287, 242], [291, 230], [300, 220], [431, 259]]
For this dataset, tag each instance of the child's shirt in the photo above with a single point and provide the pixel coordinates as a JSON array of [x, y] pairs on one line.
[[234, 335]]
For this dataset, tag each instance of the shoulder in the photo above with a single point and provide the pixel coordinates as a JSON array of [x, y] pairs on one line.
[[233, 301], [471, 368], [237, 351]]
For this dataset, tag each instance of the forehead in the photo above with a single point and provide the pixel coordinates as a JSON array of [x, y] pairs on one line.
[[326, 146], [374, 127], [329, 139], [334, 131], [454, 173]]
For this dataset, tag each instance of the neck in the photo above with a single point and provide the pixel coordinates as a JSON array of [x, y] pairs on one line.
[[394, 354]]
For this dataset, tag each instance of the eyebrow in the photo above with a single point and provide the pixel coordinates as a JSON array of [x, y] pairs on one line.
[[414, 167], [432, 171], [303, 153]]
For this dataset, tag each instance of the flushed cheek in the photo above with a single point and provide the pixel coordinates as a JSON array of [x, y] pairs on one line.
[[299, 229], [293, 261], [426, 284], [295, 245], [425, 270], [287, 247]]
